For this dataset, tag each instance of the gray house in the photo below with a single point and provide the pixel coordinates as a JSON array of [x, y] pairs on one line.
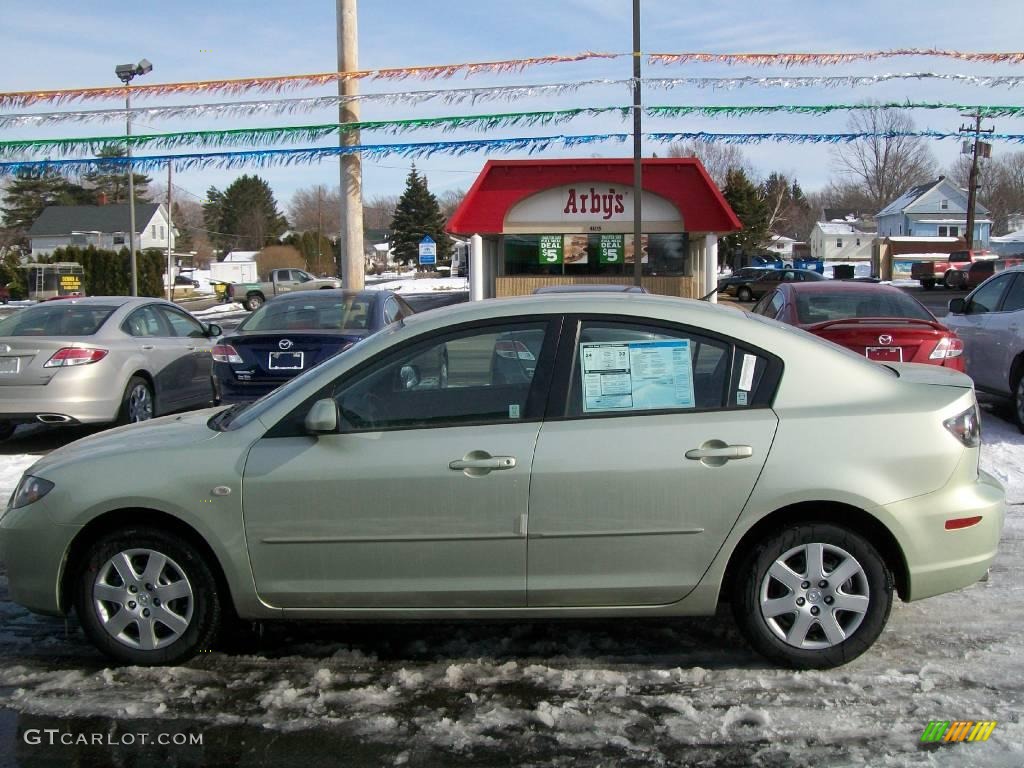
[[104, 226], [935, 209]]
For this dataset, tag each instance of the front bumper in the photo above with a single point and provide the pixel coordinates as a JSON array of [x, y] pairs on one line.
[[938, 560], [33, 549]]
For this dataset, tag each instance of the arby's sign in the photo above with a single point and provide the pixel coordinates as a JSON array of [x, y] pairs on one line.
[[590, 207]]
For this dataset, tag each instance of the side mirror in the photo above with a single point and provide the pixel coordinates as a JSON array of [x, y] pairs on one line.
[[322, 417], [409, 377], [213, 331], [957, 306]]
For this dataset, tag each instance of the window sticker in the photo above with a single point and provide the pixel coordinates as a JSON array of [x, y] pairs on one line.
[[637, 375], [747, 372], [513, 411], [741, 397]]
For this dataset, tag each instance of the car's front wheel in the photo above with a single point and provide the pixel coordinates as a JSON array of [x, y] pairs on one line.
[[813, 596], [7, 429], [253, 302], [1018, 402], [145, 596]]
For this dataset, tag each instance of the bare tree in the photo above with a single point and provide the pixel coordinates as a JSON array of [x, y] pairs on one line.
[[1000, 185], [884, 165], [316, 208], [718, 159], [450, 201], [378, 211]]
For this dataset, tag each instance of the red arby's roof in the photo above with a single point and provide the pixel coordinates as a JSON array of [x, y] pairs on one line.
[[503, 183]]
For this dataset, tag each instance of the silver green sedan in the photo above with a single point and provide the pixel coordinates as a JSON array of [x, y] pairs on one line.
[[652, 457]]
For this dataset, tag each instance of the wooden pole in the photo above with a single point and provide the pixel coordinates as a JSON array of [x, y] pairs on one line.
[[638, 267], [352, 262]]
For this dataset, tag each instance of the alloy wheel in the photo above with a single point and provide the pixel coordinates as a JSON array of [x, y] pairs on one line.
[[814, 596], [140, 404], [143, 599]]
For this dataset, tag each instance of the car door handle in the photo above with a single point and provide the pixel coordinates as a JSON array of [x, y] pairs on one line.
[[148, 347], [726, 452], [489, 463], [191, 348]]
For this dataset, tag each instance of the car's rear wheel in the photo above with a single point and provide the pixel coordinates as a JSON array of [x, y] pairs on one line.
[[743, 294], [1018, 400], [813, 596], [253, 302], [145, 596], [7, 429], [137, 404]]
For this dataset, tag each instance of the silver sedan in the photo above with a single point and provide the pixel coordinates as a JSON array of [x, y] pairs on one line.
[[102, 359]]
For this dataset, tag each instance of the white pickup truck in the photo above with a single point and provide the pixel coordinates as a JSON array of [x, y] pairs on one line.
[[253, 295]]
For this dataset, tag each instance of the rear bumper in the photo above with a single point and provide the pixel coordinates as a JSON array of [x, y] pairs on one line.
[[941, 561], [81, 399], [227, 390]]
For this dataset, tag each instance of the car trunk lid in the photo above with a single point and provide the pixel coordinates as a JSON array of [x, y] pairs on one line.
[[888, 340], [283, 355], [22, 359]]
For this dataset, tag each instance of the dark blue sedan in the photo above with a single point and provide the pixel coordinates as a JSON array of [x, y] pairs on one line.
[[292, 333]]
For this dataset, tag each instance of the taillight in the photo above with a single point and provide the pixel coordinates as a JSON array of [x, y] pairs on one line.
[[513, 350], [74, 356], [966, 427], [225, 353], [948, 346]]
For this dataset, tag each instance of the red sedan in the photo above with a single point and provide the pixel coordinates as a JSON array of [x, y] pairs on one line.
[[878, 321]]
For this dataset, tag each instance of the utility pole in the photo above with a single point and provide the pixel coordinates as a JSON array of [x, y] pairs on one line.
[[638, 267], [170, 228], [352, 266], [319, 225], [972, 182]]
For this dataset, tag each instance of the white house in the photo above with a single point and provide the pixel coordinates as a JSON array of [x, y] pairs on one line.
[[935, 209], [104, 226], [839, 242], [781, 246]]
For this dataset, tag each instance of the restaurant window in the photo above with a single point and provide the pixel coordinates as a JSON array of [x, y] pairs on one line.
[[595, 254]]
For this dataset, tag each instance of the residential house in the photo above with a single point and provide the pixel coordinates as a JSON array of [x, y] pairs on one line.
[[104, 226], [840, 242], [935, 209], [781, 247]]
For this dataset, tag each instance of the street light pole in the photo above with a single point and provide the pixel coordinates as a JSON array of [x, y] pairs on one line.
[[638, 218], [126, 73]]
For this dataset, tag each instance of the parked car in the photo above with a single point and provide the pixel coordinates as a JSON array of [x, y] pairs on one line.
[[741, 276], [185, 281], [979, 272], [294, 332], [664, 456], [991, 322], [880, 322], [276, 282], [102, 359], [760, 285], [943, 270]]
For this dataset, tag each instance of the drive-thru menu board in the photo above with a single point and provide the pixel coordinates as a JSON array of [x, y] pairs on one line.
[[637, 375]]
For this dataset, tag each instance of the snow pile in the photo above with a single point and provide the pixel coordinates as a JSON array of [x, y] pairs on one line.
[[219, 309], [423, 285], [1002, 454]]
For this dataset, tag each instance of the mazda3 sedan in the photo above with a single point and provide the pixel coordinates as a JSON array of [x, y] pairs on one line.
[[656, 458]]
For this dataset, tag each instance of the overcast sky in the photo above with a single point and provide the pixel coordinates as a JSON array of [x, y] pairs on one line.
[[54, 43]]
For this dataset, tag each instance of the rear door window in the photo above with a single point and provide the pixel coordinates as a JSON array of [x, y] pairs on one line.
[[1014, 301]]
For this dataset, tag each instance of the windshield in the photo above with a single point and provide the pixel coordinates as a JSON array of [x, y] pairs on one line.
[[57, 319], [315, 312], [821, 307]]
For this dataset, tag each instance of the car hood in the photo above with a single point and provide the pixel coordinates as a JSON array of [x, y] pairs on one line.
[[166, 432], [919, 373]]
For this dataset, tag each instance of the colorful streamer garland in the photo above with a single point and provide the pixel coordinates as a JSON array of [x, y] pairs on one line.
[[277, 157], [830, 59], [484, 122], [830, 81], [280, 83]]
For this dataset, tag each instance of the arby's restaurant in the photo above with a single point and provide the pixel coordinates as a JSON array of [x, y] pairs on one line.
[[550, 222]]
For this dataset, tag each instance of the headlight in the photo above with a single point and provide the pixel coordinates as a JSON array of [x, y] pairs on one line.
[[966, 427], [30, 490]]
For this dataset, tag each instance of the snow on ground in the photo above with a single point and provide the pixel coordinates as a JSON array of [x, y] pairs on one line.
[[623, 693], [219, 309], [422, 285]]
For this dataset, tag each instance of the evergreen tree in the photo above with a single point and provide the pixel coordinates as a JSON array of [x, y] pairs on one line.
[[418, 214], [111, 180], [245, 215], [31, 191], [748, 203]]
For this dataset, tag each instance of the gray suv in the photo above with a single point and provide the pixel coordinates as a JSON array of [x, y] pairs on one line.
[[991, 323]]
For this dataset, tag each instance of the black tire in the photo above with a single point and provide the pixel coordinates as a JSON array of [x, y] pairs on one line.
[[133, 412], [183, 559], [743, 294], [1018, 398], [253, 301], [873, 581], [7, 429], [927, 284]]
